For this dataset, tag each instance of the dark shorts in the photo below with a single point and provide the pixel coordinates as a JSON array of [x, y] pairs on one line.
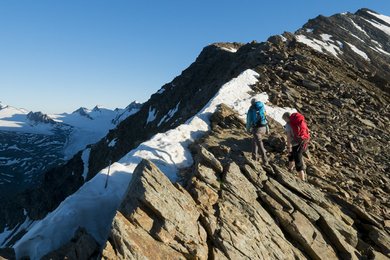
[[297, 156]]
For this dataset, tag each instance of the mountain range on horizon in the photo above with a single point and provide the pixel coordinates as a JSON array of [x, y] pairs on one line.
[[33, 142], [175, 173]]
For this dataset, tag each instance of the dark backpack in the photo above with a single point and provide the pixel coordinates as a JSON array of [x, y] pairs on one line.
[[259, 114], [299, 127]]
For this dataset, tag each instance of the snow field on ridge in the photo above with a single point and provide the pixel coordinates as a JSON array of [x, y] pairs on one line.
[[93, 206]]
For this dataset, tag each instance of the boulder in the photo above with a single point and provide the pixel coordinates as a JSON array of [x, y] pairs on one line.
[[81, 246], [129, 241], [245, 227], [301, 230], [336, 223], [209, 159], [380, 238], [165, 211], [310, 85]]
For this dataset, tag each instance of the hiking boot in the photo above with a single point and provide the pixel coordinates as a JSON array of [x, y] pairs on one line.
[[254, 158]]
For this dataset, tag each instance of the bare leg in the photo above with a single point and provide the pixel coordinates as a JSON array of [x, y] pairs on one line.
[[301, 175], [258, 144]]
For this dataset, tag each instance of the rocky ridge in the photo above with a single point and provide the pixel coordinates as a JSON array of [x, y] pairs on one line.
[[348, 210], [227, 206]]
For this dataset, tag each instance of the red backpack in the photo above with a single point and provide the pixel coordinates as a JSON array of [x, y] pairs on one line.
[[299, 126]]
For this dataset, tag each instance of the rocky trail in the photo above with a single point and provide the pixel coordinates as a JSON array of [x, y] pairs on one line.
[[227, 206]]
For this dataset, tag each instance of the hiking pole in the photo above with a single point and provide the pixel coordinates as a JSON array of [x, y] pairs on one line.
[[108, 175]]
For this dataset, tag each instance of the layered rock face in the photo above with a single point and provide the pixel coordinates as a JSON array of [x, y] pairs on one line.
[[229, 207]]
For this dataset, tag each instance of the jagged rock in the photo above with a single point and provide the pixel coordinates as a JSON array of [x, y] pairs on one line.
[[129, 241], [276, 143], [207, 175], [276, 195], [386, 224], [380, 238], [345, 249], [352, 146], [256, 176], [297, 202], [245, 226], [167, 212], [209, 159], [375, 255], [217, 254], [82, 246], [225, 117], [366, 122], [359, 212], [310, 85], [7, 254], [302, 188], [336, 223], [302, 230], [205, 196]]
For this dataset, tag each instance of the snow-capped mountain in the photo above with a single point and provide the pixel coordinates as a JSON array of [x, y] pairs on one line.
[[221, 197], [32, 142], [361, 39]]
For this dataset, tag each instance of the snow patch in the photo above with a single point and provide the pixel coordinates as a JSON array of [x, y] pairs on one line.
[[359, 52], [113, 142], [320, 45], [85, 158], [10, 162], [230, 49], [380, 50], [382, 27], [162, 90], [382, 17], [356, 37], [4, 235], [26, 225], [152, 115], [169, 115], [326, 37], [358, 27]]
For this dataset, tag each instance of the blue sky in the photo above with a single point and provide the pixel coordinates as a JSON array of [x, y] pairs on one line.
[[56, 56]]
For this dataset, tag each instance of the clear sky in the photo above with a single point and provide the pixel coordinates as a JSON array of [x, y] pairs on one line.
[[58, 55]]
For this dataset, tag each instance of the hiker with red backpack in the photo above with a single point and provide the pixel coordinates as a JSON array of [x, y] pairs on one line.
[[298, 137], [257, 124]]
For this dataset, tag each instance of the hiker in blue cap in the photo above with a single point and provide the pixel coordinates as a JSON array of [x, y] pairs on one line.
[[257, 124]]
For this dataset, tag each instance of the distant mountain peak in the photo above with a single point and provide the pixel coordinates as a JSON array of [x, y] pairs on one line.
[[98, 108], [83, 111], [134, 104], [39, 117]]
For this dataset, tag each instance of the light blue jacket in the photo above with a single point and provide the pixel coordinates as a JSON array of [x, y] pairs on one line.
[[251, 117]]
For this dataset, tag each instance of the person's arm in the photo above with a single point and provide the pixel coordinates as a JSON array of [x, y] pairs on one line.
[[248, 121], [289, 143], [289, 138]]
